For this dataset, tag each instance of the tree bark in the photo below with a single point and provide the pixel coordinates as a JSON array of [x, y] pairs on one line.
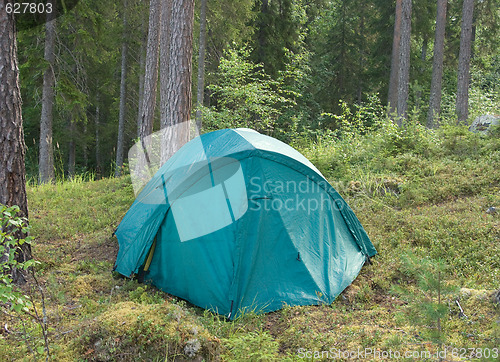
[[97, 141], [123, 94], [178, 104], [437, 66], [392, 98], [142, 66], [72, 149], [462, 103], [166, 14], [264, 9], [423, 57], [46, 157], [12, 147], [143, 168], [343, 45], [404, 61], [151, 70], [200, 91], [85, 148]]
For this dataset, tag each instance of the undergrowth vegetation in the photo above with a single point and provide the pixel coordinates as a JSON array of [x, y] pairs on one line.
[[428, 199]]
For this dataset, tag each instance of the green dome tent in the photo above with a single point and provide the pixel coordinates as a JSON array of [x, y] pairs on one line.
[[238, 221]]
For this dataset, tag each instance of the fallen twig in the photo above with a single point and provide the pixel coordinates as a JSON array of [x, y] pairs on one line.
[[462, 314]]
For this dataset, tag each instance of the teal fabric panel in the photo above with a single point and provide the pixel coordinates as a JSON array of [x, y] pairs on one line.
[[349, 216], [199, 270], [201, 213], [139, 226], [215, 198], [194, 255], [268, 274], [135, 234], [300, 251], [266, 143]]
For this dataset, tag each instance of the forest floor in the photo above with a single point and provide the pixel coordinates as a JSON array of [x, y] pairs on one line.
[[419, 212]]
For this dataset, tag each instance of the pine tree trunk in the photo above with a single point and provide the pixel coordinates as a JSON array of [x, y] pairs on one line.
[[437, 66], [97, 141], [72, 149], [361, 58], [12, 147], [423, 57], [46, 156], [264, 9], [343, 45], [151, 70], [462, 104], [166, 13], [143, 168], [142, 65], [404, 61], [200, 91], [85, 148], [178, 105], [123, 95], [392, 98]]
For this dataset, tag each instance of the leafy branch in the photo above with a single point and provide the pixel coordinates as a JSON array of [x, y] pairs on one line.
[[14, 302]]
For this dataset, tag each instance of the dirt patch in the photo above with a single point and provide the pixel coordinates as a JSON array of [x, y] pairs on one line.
[[97, 250]]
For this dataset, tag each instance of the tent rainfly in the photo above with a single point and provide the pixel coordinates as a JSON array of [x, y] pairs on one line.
[[237, 221]]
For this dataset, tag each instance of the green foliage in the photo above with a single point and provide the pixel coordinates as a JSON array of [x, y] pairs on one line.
[[428, 303], [11, 227], [141, 295], [279, 27], [246, 96], [253, 346], [14, 301], [333, 151], [411, 137]]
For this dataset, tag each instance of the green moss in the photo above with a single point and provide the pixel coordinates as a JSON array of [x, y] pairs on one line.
[[129, 330]]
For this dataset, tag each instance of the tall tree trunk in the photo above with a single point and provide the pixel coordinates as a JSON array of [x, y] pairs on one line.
[[166, 17], [46, 156], [423, 57], [142, 65], [72, 149], [437, 66], [143, 169], [462, 104], [97, 145], [404, 61], [123, 95], [12, 147], [264, 9], [362, 46], [200, 91], [151, 70], [392, 98], [342, 51], [178, 105], [85, 147]]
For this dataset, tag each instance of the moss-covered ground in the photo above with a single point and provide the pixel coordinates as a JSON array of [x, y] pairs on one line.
[[423, 202]]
